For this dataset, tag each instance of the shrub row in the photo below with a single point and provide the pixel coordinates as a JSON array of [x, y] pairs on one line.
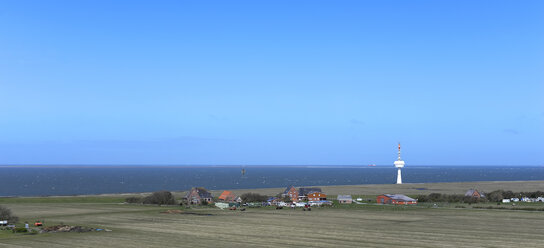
[[159, 198], [493, 196], [437, 197], [253, 197]]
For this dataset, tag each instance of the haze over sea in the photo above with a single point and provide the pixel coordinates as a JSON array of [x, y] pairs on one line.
[[80, 180]]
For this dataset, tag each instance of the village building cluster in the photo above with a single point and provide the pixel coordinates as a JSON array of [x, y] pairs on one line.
[[476, 194], [313, 196], [523, 199], [291, 196]]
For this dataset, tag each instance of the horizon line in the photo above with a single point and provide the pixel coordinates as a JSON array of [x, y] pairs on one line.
[[254, 165]]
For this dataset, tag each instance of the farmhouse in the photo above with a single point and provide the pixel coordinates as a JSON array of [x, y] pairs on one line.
[[474, 194], [291, 192], [198, 195], [397, 199], [304, 192], [344, 199], [227, 196], [317, 196]]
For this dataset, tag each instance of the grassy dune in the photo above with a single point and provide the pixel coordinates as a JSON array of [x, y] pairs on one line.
[[417, 188], [360, 225]]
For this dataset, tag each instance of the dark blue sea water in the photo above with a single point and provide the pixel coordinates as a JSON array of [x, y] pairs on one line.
[[76, 180]]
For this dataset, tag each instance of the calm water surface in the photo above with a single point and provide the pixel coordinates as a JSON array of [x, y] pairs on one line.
[[74, 180]]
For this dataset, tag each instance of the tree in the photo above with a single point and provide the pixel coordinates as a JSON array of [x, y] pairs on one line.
[[495, 196], [5, 214], [436, 197], [253, 197], [160, 198]]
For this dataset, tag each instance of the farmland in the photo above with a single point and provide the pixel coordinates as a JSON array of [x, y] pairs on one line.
[[357, 225]]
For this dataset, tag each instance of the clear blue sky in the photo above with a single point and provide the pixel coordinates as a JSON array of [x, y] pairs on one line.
[[272, 82]]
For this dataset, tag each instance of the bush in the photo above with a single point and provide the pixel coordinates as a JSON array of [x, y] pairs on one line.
[[437, 197], [495, 196], [5, 214], [422, 198], [20, 230], [133, 199], [160, 198]]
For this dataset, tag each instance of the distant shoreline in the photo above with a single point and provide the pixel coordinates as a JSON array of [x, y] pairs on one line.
[[362, 189], [77, 180]]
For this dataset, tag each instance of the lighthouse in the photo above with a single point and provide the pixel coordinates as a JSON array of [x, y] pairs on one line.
[[399, 164]]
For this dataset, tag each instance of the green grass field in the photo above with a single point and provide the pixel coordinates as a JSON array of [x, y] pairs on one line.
[[366, 225]]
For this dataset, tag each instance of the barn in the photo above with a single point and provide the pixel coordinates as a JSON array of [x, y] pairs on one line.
[[396, 199], [227, 196], [344, 199]]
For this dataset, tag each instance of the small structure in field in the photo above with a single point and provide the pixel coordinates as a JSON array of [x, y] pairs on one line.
[[344, 199], [396, 199], [474, 194], [320, 203], [222, 205], [198, 195], [505, 200]]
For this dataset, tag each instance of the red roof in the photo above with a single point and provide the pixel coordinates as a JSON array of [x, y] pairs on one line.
[[226, 195]]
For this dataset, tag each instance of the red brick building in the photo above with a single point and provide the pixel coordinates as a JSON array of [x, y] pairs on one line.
[[304, 192], [397, 199], [291, 192], [317, 196]]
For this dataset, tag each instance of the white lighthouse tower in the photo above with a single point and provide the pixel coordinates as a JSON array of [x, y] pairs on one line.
[[399, 164]]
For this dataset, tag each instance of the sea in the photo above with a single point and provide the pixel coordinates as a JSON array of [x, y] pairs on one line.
[[90, 180]]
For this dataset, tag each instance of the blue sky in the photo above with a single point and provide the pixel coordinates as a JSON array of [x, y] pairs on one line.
[[272, 82]]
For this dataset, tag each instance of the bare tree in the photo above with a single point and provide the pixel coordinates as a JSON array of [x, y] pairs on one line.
[[5, 214]]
